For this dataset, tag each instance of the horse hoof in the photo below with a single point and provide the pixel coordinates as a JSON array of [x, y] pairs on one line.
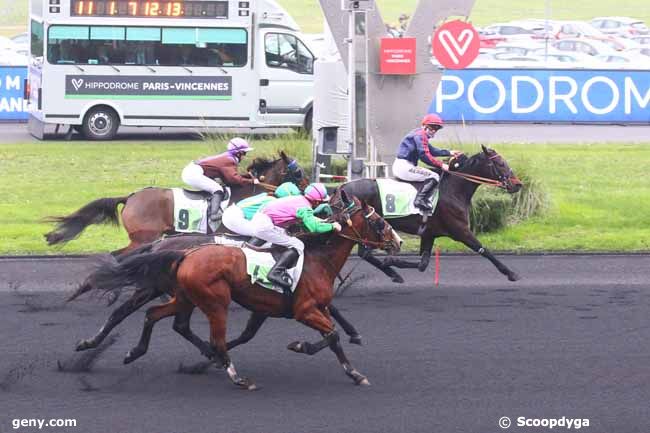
[[362, 381], [247, 384], [397, 279], [84, 345], [131, 356], [295, 347], [513, 276], [356, 339]]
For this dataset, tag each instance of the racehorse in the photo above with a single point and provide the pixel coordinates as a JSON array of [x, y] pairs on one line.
[[213, 275], [143, 295], [451, 216], [149, 213]]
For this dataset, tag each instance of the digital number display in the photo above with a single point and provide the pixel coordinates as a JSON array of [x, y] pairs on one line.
[[149, 9]]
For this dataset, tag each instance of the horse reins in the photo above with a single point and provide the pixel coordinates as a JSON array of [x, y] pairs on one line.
[[359, 239], [478, 179]]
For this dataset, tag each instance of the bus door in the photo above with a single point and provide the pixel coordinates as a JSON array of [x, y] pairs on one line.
[[286, 78]]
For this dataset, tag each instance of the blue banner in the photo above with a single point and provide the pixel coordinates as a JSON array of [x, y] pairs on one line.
[[548, 95], [12, 87]]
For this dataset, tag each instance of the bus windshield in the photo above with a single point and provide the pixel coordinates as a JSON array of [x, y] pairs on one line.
[[152, 46]]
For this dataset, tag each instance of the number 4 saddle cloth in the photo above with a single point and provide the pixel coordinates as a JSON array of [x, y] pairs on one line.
[[397, 198], [191, 210]]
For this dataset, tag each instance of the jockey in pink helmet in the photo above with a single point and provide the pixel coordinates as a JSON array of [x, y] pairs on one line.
[[201, 174], [415, 147], [270, 223]]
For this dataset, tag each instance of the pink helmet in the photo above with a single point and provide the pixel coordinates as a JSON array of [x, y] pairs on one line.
[[237, 145], [316, 192]]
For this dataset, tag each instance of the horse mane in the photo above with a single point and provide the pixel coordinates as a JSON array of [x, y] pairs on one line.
[[260, 164], [468, 161]]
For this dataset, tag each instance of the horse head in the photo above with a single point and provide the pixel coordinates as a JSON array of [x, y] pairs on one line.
[[278, 171], [363, 224], [490, 165]]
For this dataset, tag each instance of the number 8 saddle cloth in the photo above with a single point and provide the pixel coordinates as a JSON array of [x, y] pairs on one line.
[[397, 198]]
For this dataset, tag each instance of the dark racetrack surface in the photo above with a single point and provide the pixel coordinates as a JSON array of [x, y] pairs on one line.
[[571, 339]]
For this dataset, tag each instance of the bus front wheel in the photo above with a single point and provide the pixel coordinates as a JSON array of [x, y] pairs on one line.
[[100, 123]]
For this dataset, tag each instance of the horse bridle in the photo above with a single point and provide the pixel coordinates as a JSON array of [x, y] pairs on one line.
[[501, 180], [376, 226]]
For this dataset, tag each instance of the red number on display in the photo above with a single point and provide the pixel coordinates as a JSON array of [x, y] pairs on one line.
[[112, 10], [80, 8], [91, 6], [155, 8], [177, 10]]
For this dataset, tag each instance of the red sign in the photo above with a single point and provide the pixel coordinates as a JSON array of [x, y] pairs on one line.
[[456, 44], [398, 56]]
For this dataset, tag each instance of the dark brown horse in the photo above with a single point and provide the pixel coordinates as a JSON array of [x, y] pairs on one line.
[[149, 213], [209, 277], [451, 217], [143, 295]]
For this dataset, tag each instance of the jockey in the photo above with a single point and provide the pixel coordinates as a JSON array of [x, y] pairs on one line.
[[237, 218], [201, 174], [271, 220], [415, 147]]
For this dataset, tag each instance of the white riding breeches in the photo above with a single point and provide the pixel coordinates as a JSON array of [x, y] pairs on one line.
[[234, 220], [406, 171], [193, 176], [265, 229]]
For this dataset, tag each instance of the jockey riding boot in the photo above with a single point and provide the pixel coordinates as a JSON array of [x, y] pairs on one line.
[[215, 205], [255, 242], [422, 198], [278, 274]]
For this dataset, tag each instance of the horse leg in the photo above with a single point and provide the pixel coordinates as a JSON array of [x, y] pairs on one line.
[[255, 322], [350, 330], [154, 314], [121, 313], [217, 315], [182, 327], [470, 240], [350, 371], [366, 255], [426, 244], [319, 319]]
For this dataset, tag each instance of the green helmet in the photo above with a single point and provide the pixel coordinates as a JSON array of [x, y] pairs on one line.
[[287, 189]]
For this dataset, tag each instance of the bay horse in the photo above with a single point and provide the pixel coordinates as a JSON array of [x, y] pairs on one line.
[[451, 216], [210, 276], [149, 213], [143, 295]]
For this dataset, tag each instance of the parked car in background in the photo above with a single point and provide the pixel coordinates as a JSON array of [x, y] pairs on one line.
[[583, 45], [641, 40], [622, 26], [521, 49], [567, 58], [625, 61], [516, 31]]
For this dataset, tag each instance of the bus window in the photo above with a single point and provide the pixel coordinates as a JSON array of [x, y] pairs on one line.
[[286, 51], [169, 46]]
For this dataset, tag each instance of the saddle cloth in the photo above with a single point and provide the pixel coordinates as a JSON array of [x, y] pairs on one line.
[[191, 210], [397, 198], [259, 263]]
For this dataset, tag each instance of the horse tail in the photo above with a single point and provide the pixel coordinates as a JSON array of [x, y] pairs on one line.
[[153, 273], [100, 211]]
